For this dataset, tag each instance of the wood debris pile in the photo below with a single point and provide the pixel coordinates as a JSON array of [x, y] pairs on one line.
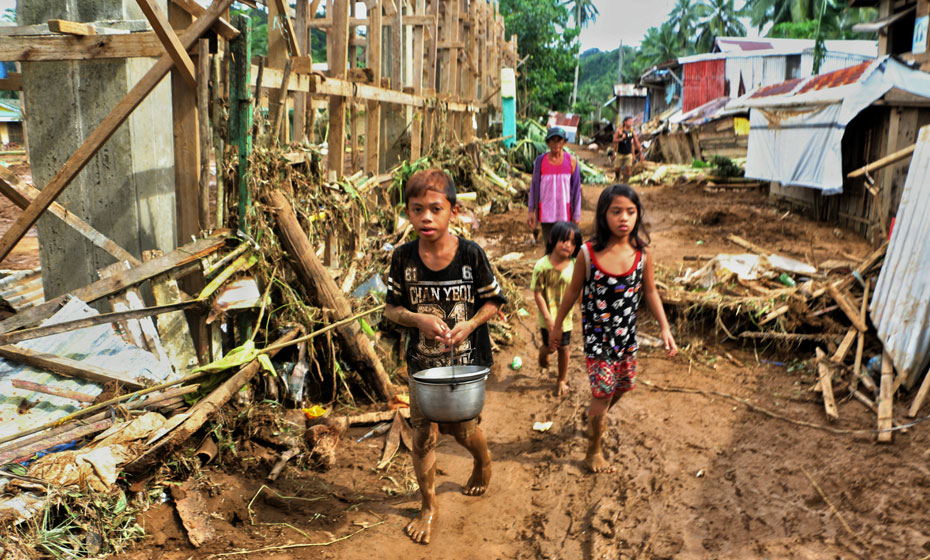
[[826, 309]]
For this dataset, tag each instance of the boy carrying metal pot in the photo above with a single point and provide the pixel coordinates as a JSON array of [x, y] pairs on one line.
[[442, 288]]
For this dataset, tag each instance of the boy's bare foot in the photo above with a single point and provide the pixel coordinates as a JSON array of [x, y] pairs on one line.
[[478, 481], [598, 464], [562, 389], [421, 527]]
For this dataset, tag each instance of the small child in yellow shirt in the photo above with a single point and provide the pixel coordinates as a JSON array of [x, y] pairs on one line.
[[551, 276]]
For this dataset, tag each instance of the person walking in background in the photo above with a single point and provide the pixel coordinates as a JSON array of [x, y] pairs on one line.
[[555, 192], [626, 144]]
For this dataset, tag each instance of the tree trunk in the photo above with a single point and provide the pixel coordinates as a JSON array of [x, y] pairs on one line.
[[319, 283]]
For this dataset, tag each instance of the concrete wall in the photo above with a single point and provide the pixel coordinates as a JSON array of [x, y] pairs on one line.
[[127, 190]]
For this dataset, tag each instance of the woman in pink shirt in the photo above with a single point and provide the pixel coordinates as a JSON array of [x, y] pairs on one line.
[[555, 193]]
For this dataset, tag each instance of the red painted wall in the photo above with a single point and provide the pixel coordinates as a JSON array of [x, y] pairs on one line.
[[703, 81]]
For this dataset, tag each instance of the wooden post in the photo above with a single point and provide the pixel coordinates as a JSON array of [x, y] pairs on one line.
[[825, 374], [301, 99], [203, 107], [373, 61], [240, 109], [277, 56], [337, 104], [886, 400], [186, 145], [219, 142], [317, 280], [416, 127]]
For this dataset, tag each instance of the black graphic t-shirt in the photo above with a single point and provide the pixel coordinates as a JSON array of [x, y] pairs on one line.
[[453, 294]]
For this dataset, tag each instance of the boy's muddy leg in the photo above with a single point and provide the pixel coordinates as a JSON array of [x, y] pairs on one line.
[[424, 465], [597, 420], [477, 445], [561, 384]]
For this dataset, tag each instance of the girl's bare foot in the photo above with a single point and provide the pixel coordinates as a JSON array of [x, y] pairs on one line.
[[421, 527], [598, 464], [478, 481]]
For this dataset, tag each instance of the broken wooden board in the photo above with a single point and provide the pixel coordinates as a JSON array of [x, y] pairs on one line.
[[67, 367], [194, 513], [851, 312], [172, 327], [886, 400], [844, 347], [825, 373], [182, 259]]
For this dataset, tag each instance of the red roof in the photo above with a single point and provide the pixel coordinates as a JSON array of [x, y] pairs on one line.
[[836, 78], [563, 119], [777, 89], [842, 77]]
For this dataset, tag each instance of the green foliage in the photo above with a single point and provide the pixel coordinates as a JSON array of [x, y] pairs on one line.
[[724, 167], [660, 44], [546, 39], [797, 19], [259, 17], [722, 20]]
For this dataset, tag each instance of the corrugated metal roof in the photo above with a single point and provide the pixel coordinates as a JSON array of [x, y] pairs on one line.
[[900, 307], [22, 288], [726, 45], [777, 89], [99, 346], [842, 77]]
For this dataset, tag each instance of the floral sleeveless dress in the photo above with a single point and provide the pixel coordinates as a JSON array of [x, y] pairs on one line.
[[609, 308]]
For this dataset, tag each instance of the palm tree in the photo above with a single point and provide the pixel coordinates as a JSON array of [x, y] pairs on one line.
[[659, 45], [585, 13], [722, 20], [684, 18]]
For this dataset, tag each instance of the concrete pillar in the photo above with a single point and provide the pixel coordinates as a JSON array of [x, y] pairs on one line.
[[127, 189]]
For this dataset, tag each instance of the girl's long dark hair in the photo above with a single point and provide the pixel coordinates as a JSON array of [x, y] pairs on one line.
[[639, 237]]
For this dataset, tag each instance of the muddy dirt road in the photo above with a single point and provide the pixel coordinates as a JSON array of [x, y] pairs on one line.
[[700, 475]]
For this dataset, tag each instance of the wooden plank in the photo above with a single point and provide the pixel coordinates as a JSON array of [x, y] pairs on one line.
[[337, 104], [851, 312], [921, 396], [416, 126], [301, 99], [222, 27], [318, 85], [70, 27], [860, 341], [142, 330], [102, 133], [886, 400], [373, 114], [178, 52], [56, 48], [844, 346], [181, 258], [55, 391], [771, 316], [22, 194], [172, 326], [205, 135], [103, 318], [289, 35], [825, 373], [186, 130], [67, 367]]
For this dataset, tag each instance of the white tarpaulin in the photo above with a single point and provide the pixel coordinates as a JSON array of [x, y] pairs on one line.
[[796, 138]]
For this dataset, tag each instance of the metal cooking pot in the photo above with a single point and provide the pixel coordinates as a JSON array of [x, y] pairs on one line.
[[450, 394]]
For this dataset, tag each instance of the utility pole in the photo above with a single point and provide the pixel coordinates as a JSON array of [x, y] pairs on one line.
[[620, 71]]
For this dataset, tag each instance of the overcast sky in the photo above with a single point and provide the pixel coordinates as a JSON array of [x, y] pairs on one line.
[[628, 20]]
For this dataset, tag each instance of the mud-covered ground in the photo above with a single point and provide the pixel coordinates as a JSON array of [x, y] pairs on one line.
[[700, 475]]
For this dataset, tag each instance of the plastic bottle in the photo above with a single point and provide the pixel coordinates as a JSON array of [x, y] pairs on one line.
[[787, 280]]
